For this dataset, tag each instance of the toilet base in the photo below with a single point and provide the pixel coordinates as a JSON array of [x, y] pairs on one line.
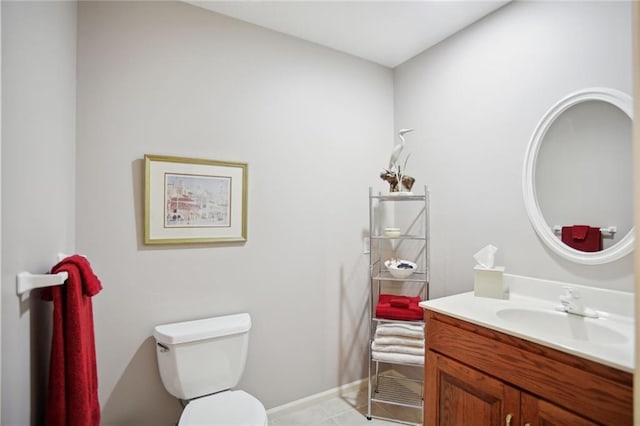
[[228, 408]]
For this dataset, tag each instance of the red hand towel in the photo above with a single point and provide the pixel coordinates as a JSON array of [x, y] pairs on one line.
[[582, 237], [400, 303], [413, 313], [385, 309], [72, 398], [388, 298], [579, 232]]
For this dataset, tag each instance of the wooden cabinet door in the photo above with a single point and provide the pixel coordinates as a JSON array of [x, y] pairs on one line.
[[538, 412], [457, 395]]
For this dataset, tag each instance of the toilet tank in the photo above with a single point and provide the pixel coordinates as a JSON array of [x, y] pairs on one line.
[[200, 357]]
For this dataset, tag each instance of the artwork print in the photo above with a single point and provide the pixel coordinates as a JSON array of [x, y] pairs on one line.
[[194, 201], [197, 201]]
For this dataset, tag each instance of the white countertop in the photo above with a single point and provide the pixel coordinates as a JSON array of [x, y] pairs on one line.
[[532, 315]]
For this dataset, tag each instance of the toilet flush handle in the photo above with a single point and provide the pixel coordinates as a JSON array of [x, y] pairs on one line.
[[163, 348]]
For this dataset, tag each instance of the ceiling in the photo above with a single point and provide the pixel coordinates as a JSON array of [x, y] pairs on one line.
[[386, 32]]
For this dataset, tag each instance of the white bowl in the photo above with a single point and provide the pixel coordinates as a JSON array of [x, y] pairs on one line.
[[400, 268]]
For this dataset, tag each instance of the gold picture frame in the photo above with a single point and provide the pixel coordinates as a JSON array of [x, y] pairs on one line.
[[191, 200]]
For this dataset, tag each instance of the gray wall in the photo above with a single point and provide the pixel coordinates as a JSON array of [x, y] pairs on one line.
[[38, 175], [314, 126], [475, 100]]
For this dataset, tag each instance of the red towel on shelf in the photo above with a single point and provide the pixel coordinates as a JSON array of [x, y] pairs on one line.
[[582, 237], [391, 306], [73, 379], [400, 302]]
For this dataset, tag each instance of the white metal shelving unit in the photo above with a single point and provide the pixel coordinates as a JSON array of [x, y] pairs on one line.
[[410, 213]]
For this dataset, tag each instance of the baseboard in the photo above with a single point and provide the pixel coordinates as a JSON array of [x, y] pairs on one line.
[[316, 398]]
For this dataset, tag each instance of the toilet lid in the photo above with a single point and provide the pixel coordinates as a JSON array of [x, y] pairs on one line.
[[224, 408]]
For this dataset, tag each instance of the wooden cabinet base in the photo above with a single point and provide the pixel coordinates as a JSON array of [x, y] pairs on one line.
[[474, 375]]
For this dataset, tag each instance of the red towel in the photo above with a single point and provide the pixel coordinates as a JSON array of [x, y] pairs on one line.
[[73, 379], [579, 232], [582, 237], [391, 306], [400, 303]]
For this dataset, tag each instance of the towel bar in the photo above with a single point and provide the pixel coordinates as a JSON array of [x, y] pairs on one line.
[[27, 281], [607, 232]]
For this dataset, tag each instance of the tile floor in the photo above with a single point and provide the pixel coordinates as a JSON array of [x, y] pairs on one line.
[[349, 408]]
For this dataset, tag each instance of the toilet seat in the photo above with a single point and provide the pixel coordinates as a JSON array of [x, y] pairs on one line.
[[225, 408]]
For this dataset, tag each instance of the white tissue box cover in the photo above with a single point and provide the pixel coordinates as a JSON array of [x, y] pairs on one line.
[[488, 282]]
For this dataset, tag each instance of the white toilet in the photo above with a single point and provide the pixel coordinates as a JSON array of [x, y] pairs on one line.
[[200, 362]]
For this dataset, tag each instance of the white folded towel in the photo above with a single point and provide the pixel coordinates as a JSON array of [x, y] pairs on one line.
[[411, 350], [399, 340], [398, 329], [412, 327], [394, 357]]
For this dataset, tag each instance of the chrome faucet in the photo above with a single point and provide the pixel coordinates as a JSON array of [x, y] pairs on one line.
[[572, 304]]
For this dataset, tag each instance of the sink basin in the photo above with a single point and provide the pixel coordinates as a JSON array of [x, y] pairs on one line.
[[562, 325]]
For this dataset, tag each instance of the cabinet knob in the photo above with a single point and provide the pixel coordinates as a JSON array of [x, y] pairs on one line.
[[507, 419]]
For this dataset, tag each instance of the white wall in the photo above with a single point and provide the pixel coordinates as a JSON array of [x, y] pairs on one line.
[[38, 173], [475, 100], [0, 209], [636, 198], [314, 126]]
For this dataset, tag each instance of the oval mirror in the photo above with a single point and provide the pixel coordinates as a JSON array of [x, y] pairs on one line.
[[577, 177]]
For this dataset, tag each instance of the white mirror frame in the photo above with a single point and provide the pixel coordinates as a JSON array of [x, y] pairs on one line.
[[544, 231]]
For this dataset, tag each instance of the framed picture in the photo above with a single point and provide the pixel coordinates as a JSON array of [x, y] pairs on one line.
[[189, 200]]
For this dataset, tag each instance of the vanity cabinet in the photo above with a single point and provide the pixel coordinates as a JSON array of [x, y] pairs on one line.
[[539, 412], [475, 375]]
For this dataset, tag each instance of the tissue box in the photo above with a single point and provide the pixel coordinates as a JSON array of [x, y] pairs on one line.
[[488, 282]]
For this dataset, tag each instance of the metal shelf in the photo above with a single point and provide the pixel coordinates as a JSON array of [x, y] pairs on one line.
[[411, 214], [397, 391], [398, 196], [399, 237], [390, 390], [387, 320], [419, 277]]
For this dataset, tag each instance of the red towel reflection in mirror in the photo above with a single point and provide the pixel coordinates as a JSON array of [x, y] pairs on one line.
[[582, 237]]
